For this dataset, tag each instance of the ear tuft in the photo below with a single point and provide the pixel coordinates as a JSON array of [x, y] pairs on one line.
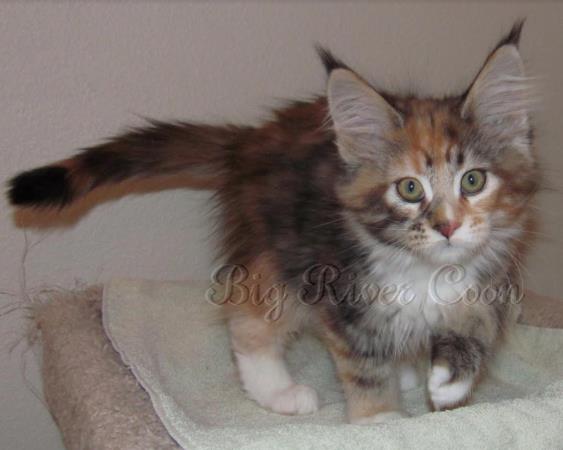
[[329, 61], [513, 36]]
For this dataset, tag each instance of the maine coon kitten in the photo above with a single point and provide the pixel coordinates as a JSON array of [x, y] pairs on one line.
[[345, 198]]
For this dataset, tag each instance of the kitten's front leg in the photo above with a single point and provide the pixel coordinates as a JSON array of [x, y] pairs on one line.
[[370, 384], [456, 361]]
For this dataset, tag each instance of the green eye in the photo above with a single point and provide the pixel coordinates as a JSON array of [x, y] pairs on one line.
[[473, 181], [410, 190]]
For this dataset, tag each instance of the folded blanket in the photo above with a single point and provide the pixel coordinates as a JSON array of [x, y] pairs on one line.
[[169, 336]]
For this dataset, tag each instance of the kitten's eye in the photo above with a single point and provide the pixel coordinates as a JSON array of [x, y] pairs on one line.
[[473, 181], [410, 190]]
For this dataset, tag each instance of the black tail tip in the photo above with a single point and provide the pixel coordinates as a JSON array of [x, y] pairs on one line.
[[45, 186]]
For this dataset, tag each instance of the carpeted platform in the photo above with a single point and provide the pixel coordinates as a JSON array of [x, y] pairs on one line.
[[97, 402]]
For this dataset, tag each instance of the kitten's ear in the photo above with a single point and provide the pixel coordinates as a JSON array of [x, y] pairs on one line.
[[501, 97], [362, 118]]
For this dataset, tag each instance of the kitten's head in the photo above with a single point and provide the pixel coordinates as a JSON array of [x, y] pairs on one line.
[[444, 179]]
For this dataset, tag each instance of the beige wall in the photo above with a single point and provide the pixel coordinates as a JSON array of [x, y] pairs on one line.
[[71, 73]]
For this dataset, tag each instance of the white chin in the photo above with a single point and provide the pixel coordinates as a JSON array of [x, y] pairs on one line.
[[444, 252]]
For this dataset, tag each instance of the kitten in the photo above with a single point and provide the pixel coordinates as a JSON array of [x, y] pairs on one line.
[[349, 200]]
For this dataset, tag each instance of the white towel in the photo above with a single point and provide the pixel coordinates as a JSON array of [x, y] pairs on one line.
[[167, 333]]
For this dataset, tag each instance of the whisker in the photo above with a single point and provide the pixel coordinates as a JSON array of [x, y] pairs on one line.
[[330, 222]]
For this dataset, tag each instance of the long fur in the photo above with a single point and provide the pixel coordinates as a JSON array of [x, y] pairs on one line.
[[310, 208]]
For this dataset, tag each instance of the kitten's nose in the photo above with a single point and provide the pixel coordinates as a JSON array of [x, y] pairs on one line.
[[447, 228]]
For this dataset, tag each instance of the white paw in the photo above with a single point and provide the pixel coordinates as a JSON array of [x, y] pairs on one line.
[[408, 377], [296, 399], [443, 393], [379, 418]]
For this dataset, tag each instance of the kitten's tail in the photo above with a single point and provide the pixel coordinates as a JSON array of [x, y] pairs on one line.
[[159, 149]]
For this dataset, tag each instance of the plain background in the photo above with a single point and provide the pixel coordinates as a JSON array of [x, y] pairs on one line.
[[72, 73]]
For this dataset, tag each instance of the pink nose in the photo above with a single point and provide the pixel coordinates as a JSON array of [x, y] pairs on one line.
[[447, 228]]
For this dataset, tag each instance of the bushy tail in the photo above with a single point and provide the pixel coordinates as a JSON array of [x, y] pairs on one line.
[[159, 149]]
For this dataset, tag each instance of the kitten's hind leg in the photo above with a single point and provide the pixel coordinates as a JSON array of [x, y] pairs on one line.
[[258, 347]]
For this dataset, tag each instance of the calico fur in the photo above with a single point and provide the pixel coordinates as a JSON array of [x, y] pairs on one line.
[[309, 213]]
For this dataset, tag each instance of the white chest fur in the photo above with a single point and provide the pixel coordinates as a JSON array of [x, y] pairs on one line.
[[419, 295]]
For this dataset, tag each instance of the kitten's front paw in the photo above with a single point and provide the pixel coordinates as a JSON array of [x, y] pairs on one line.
[[382, 417], [443, 392], [296, 399]]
